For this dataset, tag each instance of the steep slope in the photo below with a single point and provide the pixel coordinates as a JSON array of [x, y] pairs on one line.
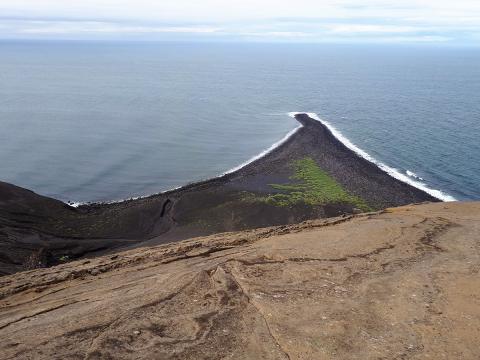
[[399, 284]]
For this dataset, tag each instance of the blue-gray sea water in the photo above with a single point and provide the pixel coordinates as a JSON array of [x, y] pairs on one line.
[[105, 121]]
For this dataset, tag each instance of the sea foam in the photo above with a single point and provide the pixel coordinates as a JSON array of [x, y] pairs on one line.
[[412, 174], [236, 168], [388, 169], [265, 152]]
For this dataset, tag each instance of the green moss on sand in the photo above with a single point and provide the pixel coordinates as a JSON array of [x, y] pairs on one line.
[[312, 186]]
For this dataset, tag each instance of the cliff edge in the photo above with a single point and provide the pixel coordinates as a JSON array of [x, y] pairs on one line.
[[398, 284]]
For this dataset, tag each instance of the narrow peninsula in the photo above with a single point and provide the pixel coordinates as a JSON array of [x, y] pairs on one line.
[[311, 175]]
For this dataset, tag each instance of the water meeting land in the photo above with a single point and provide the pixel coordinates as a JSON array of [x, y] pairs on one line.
[[310, 175], [101, 121]]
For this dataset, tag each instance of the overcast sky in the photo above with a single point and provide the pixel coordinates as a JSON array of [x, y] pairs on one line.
[[407, 21]]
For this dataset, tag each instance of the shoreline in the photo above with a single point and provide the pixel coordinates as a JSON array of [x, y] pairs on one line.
[[388, 169], [38, 231], [394, 173], [254, 158]]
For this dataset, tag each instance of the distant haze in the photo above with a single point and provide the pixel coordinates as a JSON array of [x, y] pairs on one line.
[[332, 21]]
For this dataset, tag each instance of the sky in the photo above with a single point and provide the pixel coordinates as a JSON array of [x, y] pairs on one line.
[[323, 21]]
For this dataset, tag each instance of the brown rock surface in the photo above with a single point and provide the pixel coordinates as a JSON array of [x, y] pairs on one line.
[[400, 284]]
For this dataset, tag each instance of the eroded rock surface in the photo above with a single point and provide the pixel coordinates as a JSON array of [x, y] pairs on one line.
[[400, 284]]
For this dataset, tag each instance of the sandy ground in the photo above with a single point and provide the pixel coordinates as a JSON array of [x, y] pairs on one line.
[[400, 284]]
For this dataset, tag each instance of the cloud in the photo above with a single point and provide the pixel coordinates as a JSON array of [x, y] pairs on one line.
[[371, 29], [273, 35], [260, 20], [94, 27]]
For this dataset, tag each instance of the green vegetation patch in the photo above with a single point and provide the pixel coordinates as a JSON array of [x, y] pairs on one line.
[[312, 186]]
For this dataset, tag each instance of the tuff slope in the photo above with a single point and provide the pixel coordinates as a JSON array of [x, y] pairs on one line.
[[400, 284]]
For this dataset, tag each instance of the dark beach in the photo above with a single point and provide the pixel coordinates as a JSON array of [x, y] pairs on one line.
[[37, 231]]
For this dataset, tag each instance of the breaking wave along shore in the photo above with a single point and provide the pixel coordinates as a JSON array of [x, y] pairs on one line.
[[409, 178], [388, 169]]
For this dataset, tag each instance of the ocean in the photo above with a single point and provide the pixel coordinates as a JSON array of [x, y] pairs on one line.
[[105, 121]]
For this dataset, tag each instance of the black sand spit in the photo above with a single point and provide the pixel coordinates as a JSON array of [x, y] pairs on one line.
[[37, 231]]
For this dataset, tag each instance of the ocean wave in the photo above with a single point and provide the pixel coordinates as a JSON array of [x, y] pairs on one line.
[[412, 174], [110, 202], [389, 170], [236, 168], [263, 153], [74, 204]]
